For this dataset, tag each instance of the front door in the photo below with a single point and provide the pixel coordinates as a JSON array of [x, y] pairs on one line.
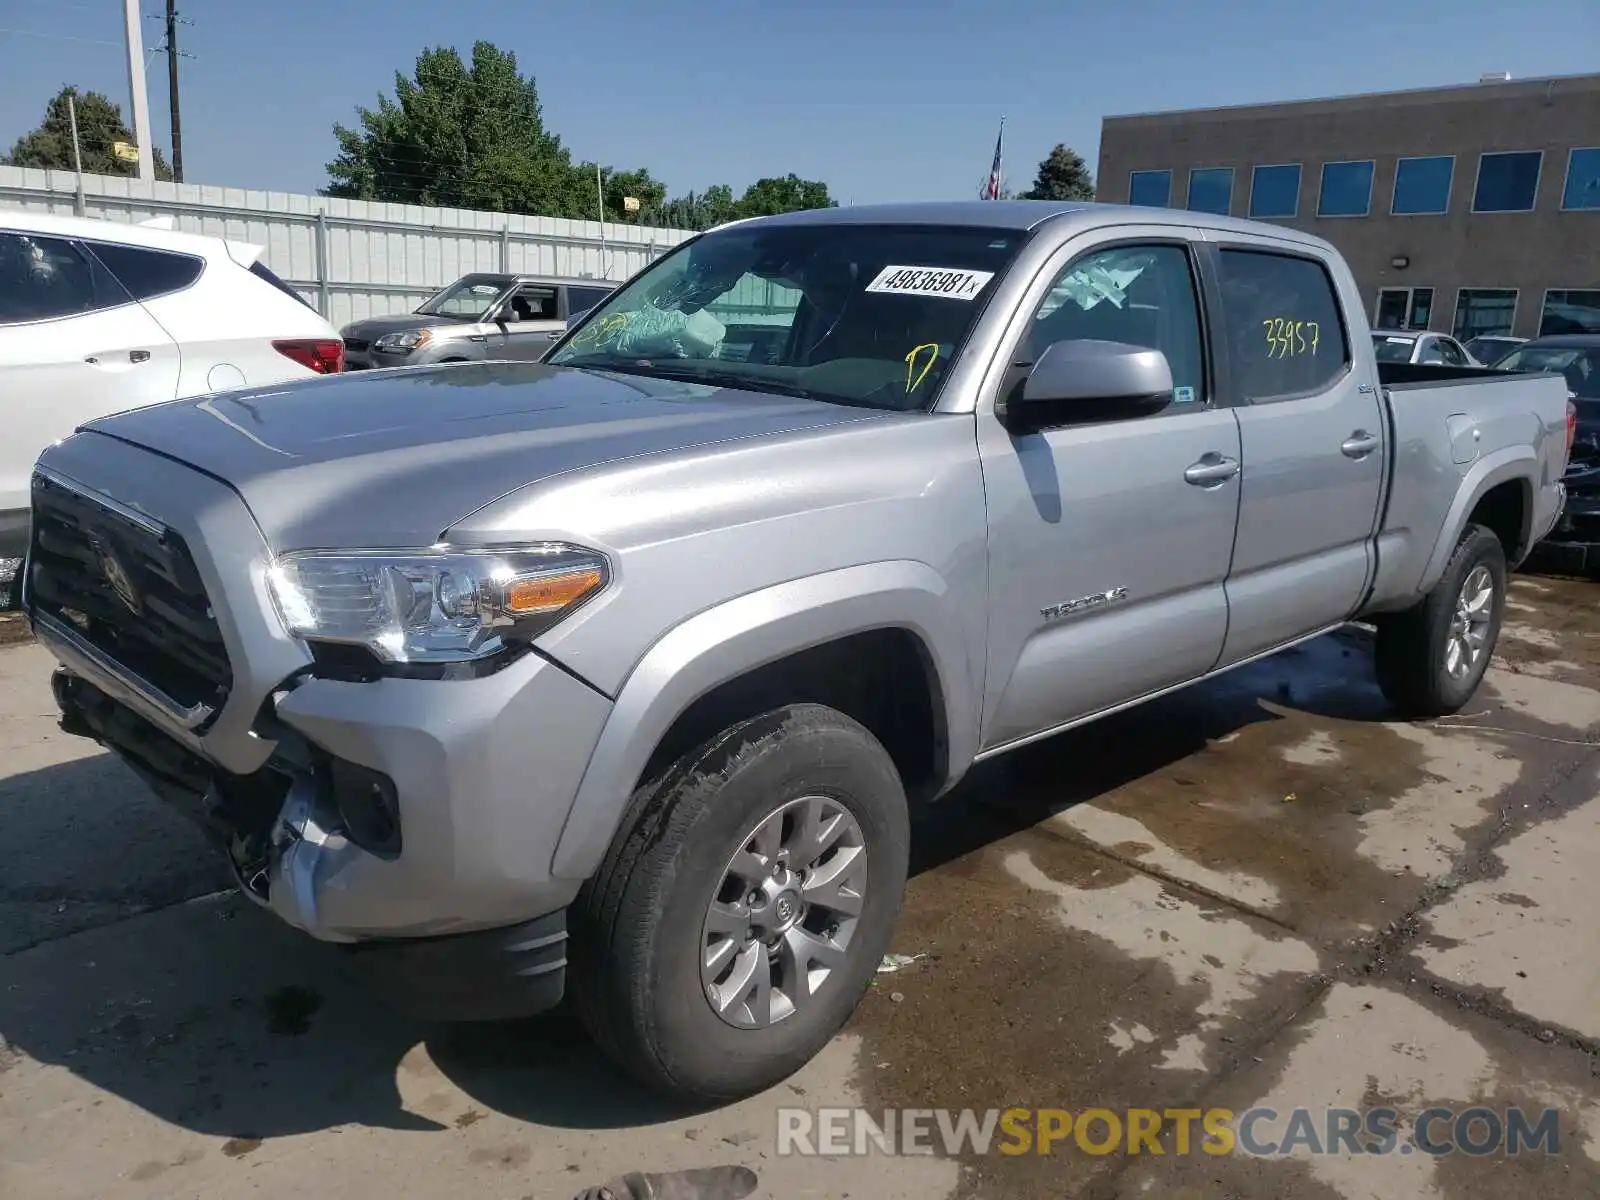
[[74, 345], [1313, 439], [528, 322], [1109, 541]]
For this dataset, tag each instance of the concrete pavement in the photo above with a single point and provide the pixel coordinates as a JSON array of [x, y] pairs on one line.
[[1258, 893]]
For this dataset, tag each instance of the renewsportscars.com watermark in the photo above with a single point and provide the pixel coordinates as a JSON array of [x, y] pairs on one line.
[[1258, 1132]]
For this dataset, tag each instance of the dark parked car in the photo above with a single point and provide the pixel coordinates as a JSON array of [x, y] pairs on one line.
[[1575, 541], [1490, 348]]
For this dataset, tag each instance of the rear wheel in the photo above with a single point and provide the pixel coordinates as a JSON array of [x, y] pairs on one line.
[[1431, 658], [744, 905]]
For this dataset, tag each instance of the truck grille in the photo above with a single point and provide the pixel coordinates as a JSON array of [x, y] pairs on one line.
[[130, 590]]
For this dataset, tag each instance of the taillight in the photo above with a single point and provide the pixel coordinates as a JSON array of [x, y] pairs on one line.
[[325, 356], [1572, 425]]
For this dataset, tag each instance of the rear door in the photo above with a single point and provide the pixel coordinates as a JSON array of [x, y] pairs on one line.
[[74, 345], [1109, 540], [1313, 440]]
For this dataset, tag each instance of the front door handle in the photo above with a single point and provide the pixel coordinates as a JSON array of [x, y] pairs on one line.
[[1359, 444], [138, 356], [1211, 470]]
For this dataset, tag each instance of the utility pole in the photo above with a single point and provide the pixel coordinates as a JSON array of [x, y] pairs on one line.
[[172, 83], [136, 89], [77, 154]]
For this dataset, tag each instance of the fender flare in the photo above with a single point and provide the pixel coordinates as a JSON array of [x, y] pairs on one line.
[[1519, 463], [748, 632]]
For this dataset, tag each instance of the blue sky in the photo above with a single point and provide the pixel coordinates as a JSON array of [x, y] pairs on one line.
[[882, 99]]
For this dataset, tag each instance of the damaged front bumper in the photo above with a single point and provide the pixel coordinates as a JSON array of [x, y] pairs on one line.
[[452, 912]]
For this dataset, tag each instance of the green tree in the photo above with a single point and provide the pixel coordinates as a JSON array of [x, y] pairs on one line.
[[470, 137], [1063, 175], [100, 124], [765, 197]]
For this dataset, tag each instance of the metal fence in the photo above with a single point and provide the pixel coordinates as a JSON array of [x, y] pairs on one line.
[[351, 258]]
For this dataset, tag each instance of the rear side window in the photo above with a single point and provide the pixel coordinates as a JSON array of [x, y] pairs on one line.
[[262, 272], [149, 273], [46, 278], [582, 299], [1285, 330]]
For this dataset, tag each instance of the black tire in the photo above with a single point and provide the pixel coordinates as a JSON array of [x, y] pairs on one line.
[[636, 927], [1411, 645]]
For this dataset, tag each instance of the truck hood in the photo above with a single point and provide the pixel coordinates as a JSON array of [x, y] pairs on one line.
[[393, 459]]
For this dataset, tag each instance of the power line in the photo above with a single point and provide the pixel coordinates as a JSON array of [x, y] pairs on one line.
[[60, 37]]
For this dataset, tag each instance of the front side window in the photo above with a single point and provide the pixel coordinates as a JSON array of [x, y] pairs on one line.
[[1569, 311], [1211, 190], [148, 273], [1275, 191], [1150, 189], [1582, 189], [870, 315], [1138, 295], [45, 278], [1346, 189], [1481, 311], [1285, 330], [1451, 354], [1507, 182], [1422, 185], [531, 302], [467, 299]]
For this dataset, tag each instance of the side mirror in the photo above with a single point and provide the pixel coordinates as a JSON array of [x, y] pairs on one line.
[[1089, 380]]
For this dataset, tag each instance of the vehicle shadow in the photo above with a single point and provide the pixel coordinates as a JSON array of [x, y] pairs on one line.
[[212, 1016]]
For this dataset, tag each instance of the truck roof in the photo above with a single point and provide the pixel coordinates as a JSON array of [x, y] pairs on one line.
[[1025, 215]]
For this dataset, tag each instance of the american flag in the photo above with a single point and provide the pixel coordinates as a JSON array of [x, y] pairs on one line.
[[991, 190]]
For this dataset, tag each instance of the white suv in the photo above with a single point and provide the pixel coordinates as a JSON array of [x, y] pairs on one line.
[[97, 317]]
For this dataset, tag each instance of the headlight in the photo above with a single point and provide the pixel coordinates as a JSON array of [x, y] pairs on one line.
[[408, 339], [435, 605]]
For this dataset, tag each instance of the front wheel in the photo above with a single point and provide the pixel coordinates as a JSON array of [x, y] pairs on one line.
[[744, 905], [1431, 658]]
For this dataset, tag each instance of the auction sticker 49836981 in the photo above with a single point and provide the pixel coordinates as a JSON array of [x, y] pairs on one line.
[[951, 283]]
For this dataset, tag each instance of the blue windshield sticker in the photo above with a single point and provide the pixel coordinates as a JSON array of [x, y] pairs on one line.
[[1183, 395]]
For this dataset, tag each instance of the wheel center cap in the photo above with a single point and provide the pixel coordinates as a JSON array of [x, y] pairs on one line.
[[785, 909]]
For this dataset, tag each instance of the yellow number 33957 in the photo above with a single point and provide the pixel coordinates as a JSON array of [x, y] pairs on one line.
[[1290, 339]]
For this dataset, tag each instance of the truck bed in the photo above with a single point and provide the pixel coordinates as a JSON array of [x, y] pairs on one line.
[[1456, 434]]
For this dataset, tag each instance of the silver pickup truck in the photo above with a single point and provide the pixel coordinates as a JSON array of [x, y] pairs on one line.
[[615, 676]]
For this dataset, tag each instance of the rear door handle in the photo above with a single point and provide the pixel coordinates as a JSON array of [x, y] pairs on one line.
[[1211, 470], [555, 335], [138, 356], [1360, 444]]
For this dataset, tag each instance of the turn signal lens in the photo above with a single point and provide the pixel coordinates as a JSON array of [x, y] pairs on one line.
[[550, 593], [1572, 426]]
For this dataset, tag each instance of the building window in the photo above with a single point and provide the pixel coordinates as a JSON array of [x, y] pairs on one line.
[[1583, 180], [1484, 311], [1422, 185], [1507, 182], [1211, 190], [1150, 189], [1403, 308], [1346, 189], [1275, 191], [1570, 312]]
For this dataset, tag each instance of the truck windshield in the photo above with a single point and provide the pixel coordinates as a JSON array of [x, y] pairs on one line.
[[870, 315], [467, 299]]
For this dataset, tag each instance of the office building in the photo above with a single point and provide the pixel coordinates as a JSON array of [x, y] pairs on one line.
[[1470, 210]]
